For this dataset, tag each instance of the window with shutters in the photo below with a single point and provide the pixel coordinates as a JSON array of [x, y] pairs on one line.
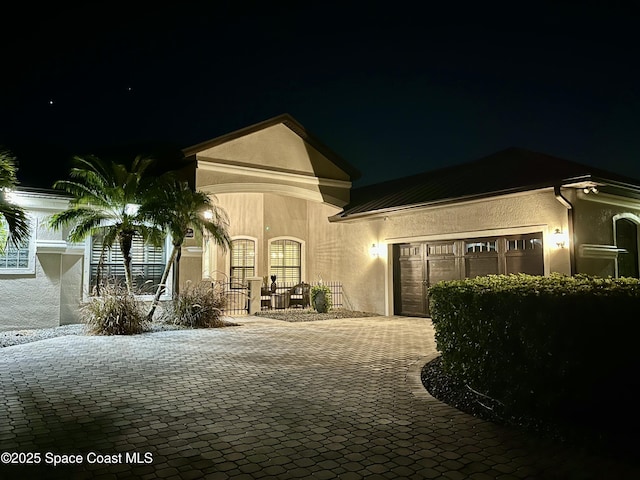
[[243, 261], [285, 261], [147, 264]]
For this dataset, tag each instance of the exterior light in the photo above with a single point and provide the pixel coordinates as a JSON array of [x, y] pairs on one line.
[[207, 214], [559, 238], [9, 195], [591, 189], [131, 208], [374, 251]]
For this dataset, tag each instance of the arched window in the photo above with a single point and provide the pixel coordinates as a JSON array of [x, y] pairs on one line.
[[285, 257], [243, 260], [627, 239]]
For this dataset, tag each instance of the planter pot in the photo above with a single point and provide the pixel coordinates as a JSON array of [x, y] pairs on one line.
[[320, 303]]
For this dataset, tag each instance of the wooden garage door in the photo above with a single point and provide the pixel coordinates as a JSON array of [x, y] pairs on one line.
[[409, 285], [419, 265]]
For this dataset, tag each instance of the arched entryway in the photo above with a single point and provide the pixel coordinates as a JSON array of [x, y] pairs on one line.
[[626, 237]]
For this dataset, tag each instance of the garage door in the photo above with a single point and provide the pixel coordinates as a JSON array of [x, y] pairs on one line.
[[419, 265]]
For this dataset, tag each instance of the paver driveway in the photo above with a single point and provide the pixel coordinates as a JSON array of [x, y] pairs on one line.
[[268, 399]]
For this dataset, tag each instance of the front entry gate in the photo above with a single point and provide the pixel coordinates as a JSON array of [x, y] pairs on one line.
[[237, 298]]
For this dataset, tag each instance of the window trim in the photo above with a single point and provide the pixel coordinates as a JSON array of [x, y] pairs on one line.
[[86, 287], [256, 264], [302, 254], [634, 219], [31, 268]]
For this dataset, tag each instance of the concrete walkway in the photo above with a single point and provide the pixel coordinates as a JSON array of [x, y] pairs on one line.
[[268, 399]]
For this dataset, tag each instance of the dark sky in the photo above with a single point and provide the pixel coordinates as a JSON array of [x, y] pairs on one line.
[[393, 88]]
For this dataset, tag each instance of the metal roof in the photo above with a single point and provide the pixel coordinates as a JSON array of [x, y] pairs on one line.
[[508, 171]]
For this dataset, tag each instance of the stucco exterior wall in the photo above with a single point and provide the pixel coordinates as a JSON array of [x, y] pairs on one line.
[[594, 216], [49, 295], [340, 251], [369, 280], [278, 148]]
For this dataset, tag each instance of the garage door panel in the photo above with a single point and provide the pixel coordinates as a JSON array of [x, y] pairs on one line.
[[479, 266], [420, 265], [530, 264], [443, 269]]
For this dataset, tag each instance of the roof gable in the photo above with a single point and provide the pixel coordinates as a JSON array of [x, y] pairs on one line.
[[278, 144]]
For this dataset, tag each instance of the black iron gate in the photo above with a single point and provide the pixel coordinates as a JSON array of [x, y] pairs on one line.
[[237, 298]]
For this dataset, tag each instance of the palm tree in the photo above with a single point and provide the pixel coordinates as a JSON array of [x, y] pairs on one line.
[[177, 208], [107, 197], [12, 214]]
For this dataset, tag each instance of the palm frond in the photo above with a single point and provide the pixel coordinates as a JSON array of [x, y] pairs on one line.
[[17, 222]]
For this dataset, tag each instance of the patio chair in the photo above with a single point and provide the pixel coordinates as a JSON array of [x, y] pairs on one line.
[[299, 295]]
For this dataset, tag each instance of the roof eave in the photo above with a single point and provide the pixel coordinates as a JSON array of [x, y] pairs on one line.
[[588, 178]]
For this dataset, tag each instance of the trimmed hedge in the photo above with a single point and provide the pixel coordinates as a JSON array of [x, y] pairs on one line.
[[544, 346]]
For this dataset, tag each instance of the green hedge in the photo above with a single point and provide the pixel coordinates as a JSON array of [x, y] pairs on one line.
[[553, 345]]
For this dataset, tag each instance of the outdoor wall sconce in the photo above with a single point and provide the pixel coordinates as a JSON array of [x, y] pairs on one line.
[[559, 238], [8, 195], [131, 209], [374, 251]]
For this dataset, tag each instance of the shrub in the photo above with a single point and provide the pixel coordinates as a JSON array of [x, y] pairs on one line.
[[543, 345], [197, 306], [321, 300], [114, 312]]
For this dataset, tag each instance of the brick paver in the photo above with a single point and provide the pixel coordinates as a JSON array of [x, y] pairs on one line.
[[267, 399]]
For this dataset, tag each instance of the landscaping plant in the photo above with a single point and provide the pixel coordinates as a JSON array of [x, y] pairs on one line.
[[321, 298], [550, 345], [115, 312], [197, 306]]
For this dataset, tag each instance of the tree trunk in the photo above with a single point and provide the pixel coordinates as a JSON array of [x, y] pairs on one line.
[[126, 240], [163, 281], [100, 268]]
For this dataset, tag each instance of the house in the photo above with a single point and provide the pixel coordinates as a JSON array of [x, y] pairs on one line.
[[294, 213], [40, 283]]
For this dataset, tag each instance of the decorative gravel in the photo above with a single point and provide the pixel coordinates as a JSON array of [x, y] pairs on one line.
[[19, 337], [308, 315]]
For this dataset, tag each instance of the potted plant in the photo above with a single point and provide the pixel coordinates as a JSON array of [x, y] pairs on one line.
[[321, 298]]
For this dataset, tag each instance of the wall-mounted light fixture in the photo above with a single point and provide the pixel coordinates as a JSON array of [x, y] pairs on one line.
[[374, 251], [131, 209], [559, 238], [8, 194]]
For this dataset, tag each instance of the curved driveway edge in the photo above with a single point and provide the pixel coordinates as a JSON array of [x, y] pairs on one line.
[[267, 399]]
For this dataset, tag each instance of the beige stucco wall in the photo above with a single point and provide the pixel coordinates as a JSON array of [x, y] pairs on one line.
[[339, 251], [369, 281], [594, 216], [49, 296], [278, 148], [264, 217]]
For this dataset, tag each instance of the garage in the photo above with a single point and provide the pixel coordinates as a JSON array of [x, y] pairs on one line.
[[418, 265]]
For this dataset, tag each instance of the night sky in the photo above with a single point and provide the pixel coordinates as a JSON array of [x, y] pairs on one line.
[[392, 89]]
